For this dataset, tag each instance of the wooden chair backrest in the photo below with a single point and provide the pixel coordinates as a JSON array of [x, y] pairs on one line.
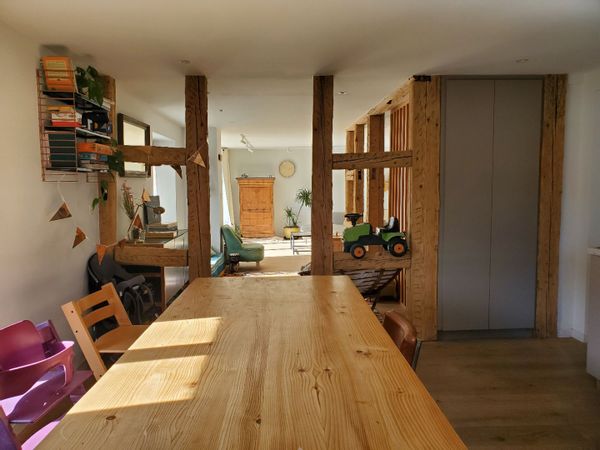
[[81, 317], [404, 335]]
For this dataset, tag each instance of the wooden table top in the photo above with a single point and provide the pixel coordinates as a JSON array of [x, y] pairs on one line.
[[248, 362]]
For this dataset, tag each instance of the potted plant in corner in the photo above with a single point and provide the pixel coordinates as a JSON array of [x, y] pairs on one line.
[[304, 197]]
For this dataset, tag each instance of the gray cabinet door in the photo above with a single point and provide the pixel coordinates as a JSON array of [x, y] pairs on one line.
[[489, 191], [517, 125], [466, 214]]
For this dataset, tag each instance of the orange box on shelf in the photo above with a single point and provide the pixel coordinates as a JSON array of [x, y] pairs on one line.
[[59, 74], [94, 147]]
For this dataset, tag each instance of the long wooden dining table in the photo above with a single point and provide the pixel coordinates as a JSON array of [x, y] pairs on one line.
[[260, 363]]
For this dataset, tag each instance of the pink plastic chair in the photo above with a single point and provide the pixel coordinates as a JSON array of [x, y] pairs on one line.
[[36, 374], [8, 441]]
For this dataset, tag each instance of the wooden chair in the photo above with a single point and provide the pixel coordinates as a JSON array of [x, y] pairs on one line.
[[81, 317], [404, 335]]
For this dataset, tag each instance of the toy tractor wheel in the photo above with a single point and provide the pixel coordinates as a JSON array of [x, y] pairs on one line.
[[397, 247], [358, 251]]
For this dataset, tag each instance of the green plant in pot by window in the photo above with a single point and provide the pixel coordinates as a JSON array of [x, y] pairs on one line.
[[90, 83], [304, 198]]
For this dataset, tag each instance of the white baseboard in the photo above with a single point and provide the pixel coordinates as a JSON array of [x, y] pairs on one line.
[[575, 334]]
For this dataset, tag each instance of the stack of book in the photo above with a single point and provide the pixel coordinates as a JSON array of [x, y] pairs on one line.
[[59, 74], [161, 230], [93, 156], [64, 116]]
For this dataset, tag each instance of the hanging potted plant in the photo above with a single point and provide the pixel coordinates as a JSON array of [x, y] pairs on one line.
[[304, 197]]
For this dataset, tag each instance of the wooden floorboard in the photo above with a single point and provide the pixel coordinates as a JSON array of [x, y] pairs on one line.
[[514, 393]]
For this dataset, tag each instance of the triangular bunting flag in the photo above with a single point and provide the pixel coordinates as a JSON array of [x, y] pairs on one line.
[[197, 159], [178, 170], [62, 213], [145, 196], [101, 251], [79, 237], [137, 222]]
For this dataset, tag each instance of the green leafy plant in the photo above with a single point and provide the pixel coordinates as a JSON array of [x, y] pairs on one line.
[[90, 80], [103, 194], [304, 197], [291, 219]]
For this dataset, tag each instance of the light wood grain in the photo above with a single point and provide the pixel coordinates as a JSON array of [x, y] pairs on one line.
[[371, 160], [151, 256], [549, 211], [154, 155], [263, 363], [359, 184], [375, 181], [256, 206], [322, 176], [107, 210], [371, 261], [349, 184], [198, 189]]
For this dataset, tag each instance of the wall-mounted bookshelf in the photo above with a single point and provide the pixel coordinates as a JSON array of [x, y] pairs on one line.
[[75, 131]]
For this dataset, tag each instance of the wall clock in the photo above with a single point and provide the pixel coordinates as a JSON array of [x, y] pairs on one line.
[[287, 168]]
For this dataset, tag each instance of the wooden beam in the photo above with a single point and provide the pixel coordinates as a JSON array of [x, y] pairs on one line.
[[371, 160], [349, 191], [375, 180], [359, 174], [107, 209], [371, 261], [322, 176], [153, 155], [551, 166], [198, 190], [397, 98], [151, 256], [424, 140]]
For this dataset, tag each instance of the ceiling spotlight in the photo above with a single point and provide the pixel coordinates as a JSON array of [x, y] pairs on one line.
[[522, 60], [247, 143], [184, 61], [220, 110], [342, 92]]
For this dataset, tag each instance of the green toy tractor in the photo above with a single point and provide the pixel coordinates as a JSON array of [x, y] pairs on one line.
[[358, 236]]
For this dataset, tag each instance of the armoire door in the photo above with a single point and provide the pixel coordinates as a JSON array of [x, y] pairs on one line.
[[489, 201]]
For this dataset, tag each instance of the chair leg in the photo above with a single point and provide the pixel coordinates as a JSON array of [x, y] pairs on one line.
[[257, 263]]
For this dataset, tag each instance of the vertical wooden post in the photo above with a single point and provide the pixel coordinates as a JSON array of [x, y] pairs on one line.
[[350, 175], [322, 177], [424, 141], [551, 167], [359, 184], [196, 140], [375, 181], [107, 210]]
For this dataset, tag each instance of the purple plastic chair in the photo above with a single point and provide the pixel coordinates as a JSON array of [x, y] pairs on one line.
[[36, 373], [8, 441]]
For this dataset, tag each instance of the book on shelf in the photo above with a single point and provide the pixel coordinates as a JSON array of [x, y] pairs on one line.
[[62, 150], [59, 74], [160, 234], [94, 147], [171, 226], [64, 116], [84, 156], [95, 165]]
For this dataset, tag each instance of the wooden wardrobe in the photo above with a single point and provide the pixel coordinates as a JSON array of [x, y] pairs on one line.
[[256, 206]]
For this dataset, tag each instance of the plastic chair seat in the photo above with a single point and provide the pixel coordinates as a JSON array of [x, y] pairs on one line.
[[120, 339], [43, 396]]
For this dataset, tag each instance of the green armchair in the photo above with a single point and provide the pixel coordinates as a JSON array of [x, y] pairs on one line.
[[233, 244]]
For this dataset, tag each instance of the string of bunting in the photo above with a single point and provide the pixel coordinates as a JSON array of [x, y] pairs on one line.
[[64, 212]]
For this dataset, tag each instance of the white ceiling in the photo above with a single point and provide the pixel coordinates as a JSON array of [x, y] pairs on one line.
[[260, 55]]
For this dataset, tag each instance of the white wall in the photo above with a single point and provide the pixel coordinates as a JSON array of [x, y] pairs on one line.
[[580, 227], [264, 163], [39, 270]]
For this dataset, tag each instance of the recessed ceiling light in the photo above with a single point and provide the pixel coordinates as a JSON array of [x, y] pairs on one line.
[[184, 61], [342, 92], [522, 60], [220, 110]]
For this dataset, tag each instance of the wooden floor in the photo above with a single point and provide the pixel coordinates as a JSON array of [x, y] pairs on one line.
[[514, 394]]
